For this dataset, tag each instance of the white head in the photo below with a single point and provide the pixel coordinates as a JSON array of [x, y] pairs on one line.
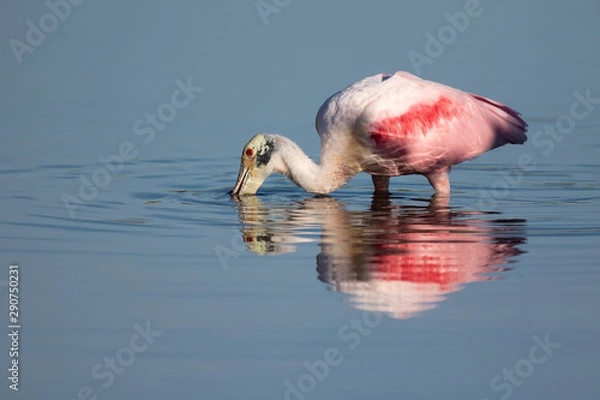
[[256, 164]]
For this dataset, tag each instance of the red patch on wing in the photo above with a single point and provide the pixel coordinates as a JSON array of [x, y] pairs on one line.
[[419, 118]]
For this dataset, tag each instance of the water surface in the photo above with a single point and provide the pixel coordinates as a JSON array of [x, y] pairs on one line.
[[419, 297]]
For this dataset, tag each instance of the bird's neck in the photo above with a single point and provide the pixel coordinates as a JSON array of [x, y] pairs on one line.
[[330, 174]]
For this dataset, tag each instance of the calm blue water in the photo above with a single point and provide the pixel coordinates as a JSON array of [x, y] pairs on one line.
[[150, 282], [245, 292]]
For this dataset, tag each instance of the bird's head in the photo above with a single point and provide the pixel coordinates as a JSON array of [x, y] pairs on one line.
[[256, 164]]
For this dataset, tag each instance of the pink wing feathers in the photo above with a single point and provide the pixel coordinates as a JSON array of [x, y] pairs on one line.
[[414, 125], [519, 126], [419, 119]]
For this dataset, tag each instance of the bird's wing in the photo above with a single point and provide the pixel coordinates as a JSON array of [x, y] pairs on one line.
[[424, 123]]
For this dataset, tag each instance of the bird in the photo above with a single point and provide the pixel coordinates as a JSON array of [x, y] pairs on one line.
[[385, 125]]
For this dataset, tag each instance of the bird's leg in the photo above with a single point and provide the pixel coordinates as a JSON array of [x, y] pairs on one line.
[[381, 183], [440, 181]]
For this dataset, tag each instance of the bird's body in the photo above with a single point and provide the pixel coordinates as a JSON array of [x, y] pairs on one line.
[[387, 125]]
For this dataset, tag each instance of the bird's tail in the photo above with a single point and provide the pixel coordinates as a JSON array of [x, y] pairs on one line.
[[513, 127]]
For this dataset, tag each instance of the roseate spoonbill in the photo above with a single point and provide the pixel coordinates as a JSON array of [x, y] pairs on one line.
[[386, 125]]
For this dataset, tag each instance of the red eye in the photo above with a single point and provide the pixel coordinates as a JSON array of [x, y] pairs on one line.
[[249, 152]]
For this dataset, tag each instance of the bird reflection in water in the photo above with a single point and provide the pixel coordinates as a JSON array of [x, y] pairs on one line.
[[397, 259]]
